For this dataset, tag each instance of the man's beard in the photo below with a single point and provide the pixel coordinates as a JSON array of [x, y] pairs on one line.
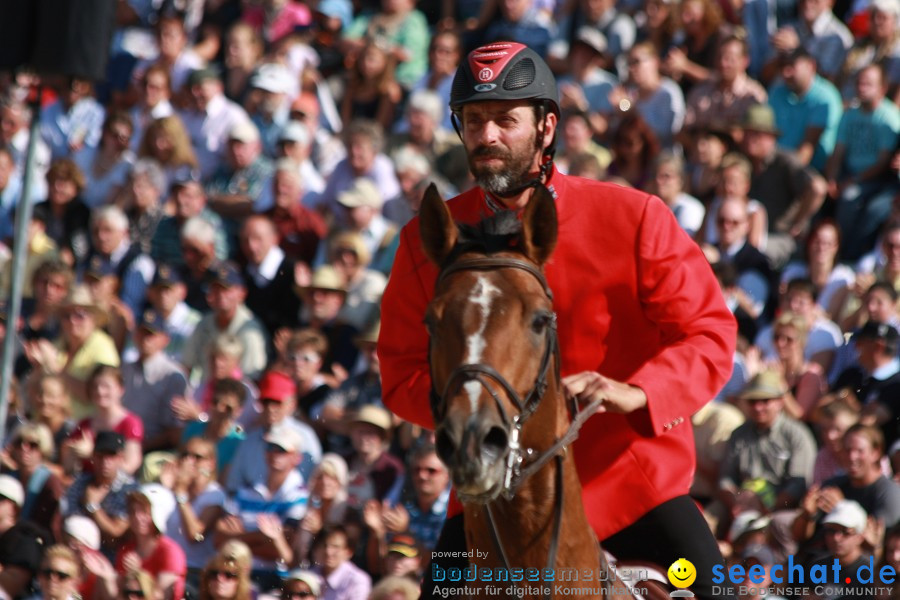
[[506, 178]]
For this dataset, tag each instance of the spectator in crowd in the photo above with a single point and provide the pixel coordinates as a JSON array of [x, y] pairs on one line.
[[327, 503], [835, 416], [64, 212], [402, 29], [294, 144], [395, 588], [523, 20], [365, 142], [343, 580], [100, 278], [807, 109], [659, 25], [278, 398], [730, 91], [327, 149], [141, 198], [239, 180], [371, 89], [167, 142], [224, 579], [588, 85], [271, 89], [608, 19], [190, 202], [425, 500], [669, 185], [864, 483], [220, 426], [31, 449], [415, 174], [149, 508], [154, 101], [51, 407], [657, 99], [692, 61], [350, 256], [100, 494], [152, 382], [878, 303], [790, 193], [323, 299], [106, 167], [805, 380], [166, 296], [876, 380], [403, 558], [634, 147], [199, 500], [375, 474], [112, 243], [266, 515], [832, 280], [243, 52], [769, 461], [300, 584], [426, 134], [845, 528], [106, 389], [713, 426], [300, 229], [824, 336], [709, 146], [74, 121], [50, 285], [10, 192], [304, 356], [228, 314], [210, 119], [15, 119], [84, 346], [60, 574], [269, 275], [577, 138], [818, 32], [857, 169], [175, 53], [444, 54], [880, 46]]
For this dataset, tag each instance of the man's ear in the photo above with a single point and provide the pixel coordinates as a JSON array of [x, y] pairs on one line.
[[551, 122]]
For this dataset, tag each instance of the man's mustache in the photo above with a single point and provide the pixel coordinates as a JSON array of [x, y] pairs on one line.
[[486, 152]]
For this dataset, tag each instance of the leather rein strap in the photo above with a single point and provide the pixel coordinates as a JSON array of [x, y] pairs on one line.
[[517, 469]]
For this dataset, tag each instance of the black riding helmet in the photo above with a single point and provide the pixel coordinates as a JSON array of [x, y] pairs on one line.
[[504, 71]]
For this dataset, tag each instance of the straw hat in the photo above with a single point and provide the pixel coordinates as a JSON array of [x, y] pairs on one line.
[[80, 296]]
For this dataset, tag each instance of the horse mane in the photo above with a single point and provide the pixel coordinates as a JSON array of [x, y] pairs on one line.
[[497, 233]]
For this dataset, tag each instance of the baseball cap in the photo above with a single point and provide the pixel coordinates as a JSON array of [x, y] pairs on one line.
[[849, 514], [244, 131], [285, 438], [762, 553], [109, 442], [294, 131], [11, 489], [876, 330], [198, 76], [276, 386], [226, 274], [404, 544], [746, 522], [593, 38], [363, 192], [166, 276], [98, 268], [84, 530], [273, 78], [308, 577], [153, 320]]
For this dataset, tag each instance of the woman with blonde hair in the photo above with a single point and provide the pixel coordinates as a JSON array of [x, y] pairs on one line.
[[805, 379], [692, 62], [395, 587], [49, 405], [135, 585], [60, 574], [327, 502], [372, 90], [227, 576], [167, 142]]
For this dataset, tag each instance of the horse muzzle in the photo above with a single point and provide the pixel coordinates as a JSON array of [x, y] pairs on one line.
[[475, 454]]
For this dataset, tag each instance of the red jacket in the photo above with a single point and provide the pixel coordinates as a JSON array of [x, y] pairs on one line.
[[636, 301]]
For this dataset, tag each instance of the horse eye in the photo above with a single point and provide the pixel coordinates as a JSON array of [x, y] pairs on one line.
[[540, 321]]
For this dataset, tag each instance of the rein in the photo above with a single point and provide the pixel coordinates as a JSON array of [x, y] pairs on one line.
[[521, 463]]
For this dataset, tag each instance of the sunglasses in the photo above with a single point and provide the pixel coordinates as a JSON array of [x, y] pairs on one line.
[[30, 444], [215, 574], [133, 593], [292, 595], [193, 455], [51, 573]]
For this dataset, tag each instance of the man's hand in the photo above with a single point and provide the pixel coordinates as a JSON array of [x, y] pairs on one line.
[[617, 397]]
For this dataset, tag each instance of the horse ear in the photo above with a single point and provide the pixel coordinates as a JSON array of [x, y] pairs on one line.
[[436, 226], [539, 226]]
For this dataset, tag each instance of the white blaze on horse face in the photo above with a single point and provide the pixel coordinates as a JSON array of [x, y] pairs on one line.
[[482, 296]]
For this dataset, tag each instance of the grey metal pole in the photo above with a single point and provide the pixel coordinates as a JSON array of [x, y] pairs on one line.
[[20, 255]]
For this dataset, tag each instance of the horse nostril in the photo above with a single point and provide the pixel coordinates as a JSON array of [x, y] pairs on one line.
[[494, 444], [444, 445]]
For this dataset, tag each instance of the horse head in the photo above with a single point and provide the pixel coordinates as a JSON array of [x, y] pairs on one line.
[[493, 349]]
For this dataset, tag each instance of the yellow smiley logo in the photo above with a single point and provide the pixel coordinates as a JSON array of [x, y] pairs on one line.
[[682, 573]]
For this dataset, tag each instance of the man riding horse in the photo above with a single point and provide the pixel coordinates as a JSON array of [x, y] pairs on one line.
[[642, 323]]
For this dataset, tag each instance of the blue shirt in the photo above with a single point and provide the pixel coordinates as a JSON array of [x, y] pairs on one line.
[[225, 448], [866, 135], [820, 107]]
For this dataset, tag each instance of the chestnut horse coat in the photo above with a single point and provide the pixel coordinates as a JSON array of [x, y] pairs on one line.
[[636, 301]]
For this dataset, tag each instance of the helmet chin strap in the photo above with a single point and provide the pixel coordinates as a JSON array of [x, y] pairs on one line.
[[546, 165]]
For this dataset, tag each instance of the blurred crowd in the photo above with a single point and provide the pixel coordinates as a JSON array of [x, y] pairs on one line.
[[197, 406]]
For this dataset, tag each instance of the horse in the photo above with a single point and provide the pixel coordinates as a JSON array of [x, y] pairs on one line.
[[502, 423]]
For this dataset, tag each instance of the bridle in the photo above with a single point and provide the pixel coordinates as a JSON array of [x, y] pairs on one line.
[[521, 463]]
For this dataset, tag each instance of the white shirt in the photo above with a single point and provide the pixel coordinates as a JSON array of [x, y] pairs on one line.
[[83, 123], [265, 272], [209, 131]]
